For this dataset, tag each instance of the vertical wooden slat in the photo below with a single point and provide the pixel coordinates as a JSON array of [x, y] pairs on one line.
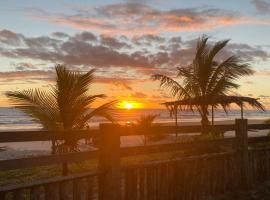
[[90, 186], [149, 183], [80, 189], [52, 191], [131, 188], [36, 193], [66, 190], [163, 181], [19, 195], [155, 181], [158, 181], [179, 180], [170, 182], [2, 195], [142, 184]]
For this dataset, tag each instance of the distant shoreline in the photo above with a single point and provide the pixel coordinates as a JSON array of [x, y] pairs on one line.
[[217, 122], [17, 150]]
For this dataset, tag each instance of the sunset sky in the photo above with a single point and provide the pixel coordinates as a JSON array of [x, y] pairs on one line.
[[127, 42]]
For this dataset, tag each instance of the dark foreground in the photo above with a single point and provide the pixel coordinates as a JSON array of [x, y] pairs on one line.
[[260, 191]]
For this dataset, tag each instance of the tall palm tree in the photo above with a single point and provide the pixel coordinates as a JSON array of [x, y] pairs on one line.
[[64, 106], [206, 78]]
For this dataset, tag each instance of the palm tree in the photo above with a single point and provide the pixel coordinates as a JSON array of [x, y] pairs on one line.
[[206, 78], [146, 121], [63, 107]]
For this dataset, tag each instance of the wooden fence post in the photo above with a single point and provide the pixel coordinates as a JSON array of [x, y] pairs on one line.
[[109, 162], [241, 133], [2, 195]]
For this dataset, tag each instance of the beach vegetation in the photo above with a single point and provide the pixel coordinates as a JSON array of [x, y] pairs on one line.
[[206, 77], [65, 106], [145, 122]]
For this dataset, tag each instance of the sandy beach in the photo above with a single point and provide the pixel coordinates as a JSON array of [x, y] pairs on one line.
[[25, 149]]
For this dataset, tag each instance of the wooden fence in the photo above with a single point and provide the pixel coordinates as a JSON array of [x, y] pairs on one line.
[[188, 177]]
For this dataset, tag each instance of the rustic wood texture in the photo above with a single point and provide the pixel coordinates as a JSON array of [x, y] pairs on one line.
[[109, 163], [187, 178], [52, 191], [22, 163], [24, 136], [190, 178], [177, 179], [241, 134]]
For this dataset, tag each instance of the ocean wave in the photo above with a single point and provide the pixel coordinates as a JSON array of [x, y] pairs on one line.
[[11, 118]]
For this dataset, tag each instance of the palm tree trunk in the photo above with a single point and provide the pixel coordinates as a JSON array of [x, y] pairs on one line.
[[204, 121], [176, 124], [53, 147], [145, 140], [65, 164], [212, 115], [65, 169]]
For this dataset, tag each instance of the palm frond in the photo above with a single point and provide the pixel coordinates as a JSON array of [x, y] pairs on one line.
[[218, 46], [106, 110], [146, 120], [39, 105], [175, 88]]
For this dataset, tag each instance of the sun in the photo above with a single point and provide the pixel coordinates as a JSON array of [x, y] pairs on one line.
[[129, 105]]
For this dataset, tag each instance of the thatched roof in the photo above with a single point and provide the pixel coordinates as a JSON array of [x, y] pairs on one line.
[[224, 101]]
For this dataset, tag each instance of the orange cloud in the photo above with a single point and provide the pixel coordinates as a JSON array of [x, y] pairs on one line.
[[138, 19]]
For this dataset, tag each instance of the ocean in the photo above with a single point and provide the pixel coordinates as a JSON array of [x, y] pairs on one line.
[[12, 119]]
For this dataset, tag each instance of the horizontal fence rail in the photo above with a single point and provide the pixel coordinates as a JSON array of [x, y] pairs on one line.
[[27, 136], [80, 186], [22, 163], [178, 146], [44, 160], [24, 136]]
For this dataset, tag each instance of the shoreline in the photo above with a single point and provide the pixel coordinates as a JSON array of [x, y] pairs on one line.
[[217, 122], [25, 149]]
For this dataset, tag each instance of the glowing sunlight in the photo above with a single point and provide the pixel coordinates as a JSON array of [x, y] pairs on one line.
[[129, 105]]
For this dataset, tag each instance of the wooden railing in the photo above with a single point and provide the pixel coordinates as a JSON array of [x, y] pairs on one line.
[[199, 175]]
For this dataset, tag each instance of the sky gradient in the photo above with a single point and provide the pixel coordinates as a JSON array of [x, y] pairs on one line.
[[128, 41]]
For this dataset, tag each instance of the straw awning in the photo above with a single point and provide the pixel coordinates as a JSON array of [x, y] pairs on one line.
[[222, 100]]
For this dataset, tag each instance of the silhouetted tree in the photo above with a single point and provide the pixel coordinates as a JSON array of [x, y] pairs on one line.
[[206, 77], [64, 106], [144, 122]]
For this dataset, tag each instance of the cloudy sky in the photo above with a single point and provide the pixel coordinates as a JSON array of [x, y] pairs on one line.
[[127, 42]]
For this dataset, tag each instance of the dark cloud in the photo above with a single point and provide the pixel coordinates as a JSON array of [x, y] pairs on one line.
[[262, 6], [10, 38], [60, 35], [28, 75], [49, 75], [41, 42], [113, 42], [248, 52], [23, 66], [148, 39], [104, 52], [85, 36]]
